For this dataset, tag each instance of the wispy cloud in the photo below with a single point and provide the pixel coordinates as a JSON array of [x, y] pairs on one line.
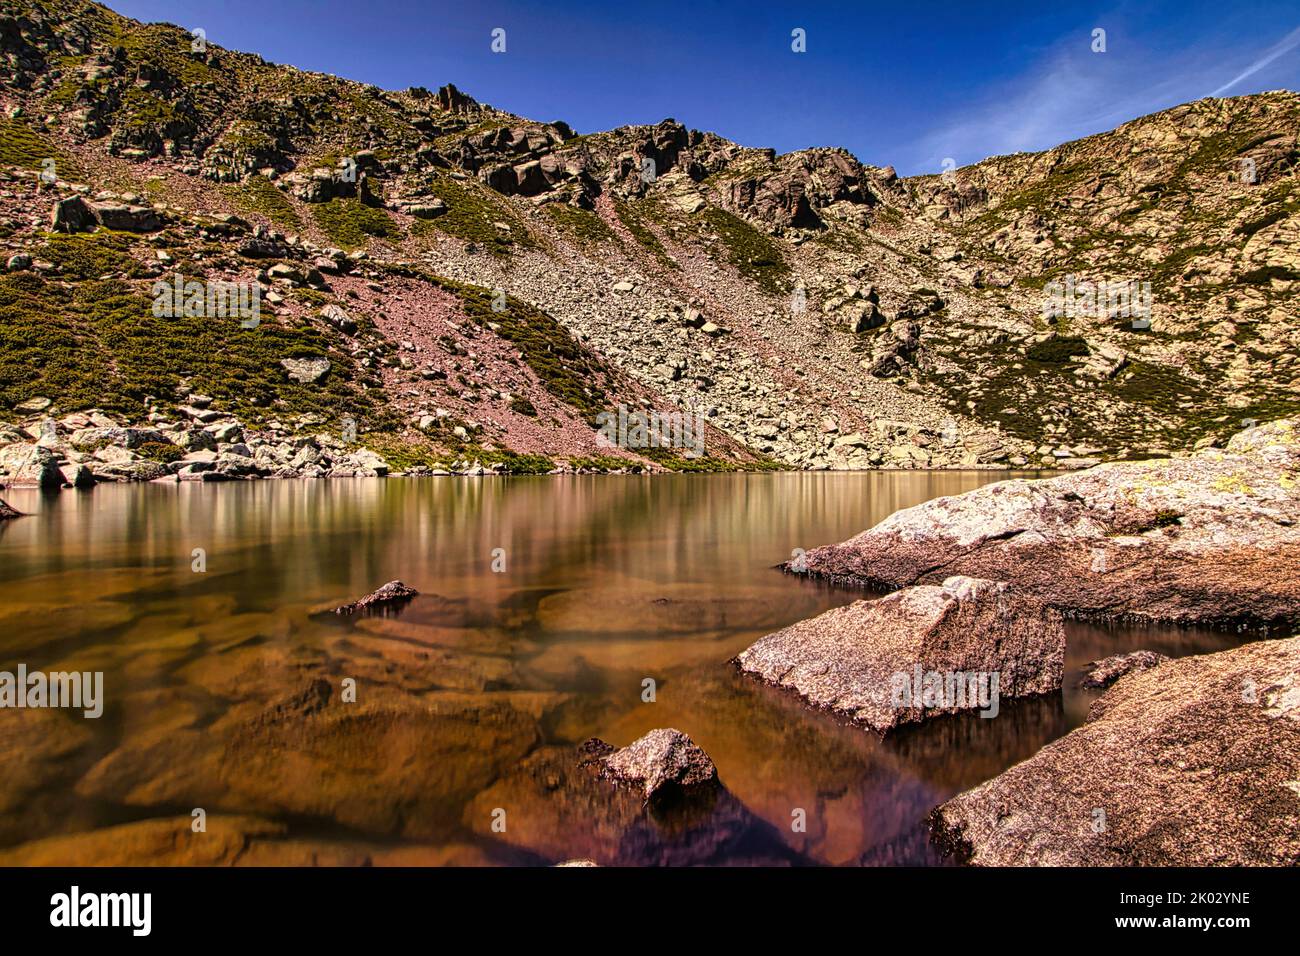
[[1281, 48], [1070, 92]]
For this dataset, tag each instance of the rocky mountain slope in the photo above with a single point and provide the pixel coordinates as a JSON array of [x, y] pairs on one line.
[[471, 288]]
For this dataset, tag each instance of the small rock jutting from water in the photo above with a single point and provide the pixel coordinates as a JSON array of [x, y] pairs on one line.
[[391, 594], [917, 653], [1194, 762], [1106, 671], [7, 512], [662, 761], [588, 805]]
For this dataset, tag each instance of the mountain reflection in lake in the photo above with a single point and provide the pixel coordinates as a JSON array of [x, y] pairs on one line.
[[224, 689]]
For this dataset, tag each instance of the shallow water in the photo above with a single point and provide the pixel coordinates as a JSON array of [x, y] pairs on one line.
[[471, 696]]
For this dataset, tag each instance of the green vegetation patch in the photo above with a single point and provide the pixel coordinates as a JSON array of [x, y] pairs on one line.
[[566, 369], [522, 406], [90, 255], [20, 145], [1248, 229], [98, 344], [602, 463], [472, 216], [24, 147], [582, 224], [754, 253], [671, 459], [404, 453], [257, 195], [349, 222], [1266, 274], [1057, 350], [631, 218]]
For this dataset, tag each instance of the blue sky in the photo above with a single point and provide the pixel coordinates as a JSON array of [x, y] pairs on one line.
[[902, 83]]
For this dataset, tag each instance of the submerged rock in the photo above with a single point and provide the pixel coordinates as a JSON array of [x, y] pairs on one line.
[[1106, 671], [917, 653], [1209, 537], [390, 764], [392, 593], [661, 761], [1195, 762]]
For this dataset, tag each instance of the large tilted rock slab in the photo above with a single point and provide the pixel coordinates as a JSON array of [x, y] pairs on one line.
[[1195, 762], [917, 653], [1209, 537]]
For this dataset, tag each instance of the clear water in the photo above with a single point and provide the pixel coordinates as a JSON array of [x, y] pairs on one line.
[[607, 582]]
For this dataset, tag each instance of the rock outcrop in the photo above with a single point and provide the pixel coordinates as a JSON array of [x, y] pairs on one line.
[[919, 652], [1195, 762], [1212, 537]]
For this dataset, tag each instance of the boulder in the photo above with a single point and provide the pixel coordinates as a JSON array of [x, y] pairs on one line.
[[73, 214], [338, 318], [864, 316], [1194, 762], [77, 475], [127, 218], [917, 653], [131, 471], [663, 761], [364, 463], [306, 371], [102, 436], [394, 593], [1208, 537], [425, 210], [225, 432], [31, 466], [1106, 671], [232, 464]]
